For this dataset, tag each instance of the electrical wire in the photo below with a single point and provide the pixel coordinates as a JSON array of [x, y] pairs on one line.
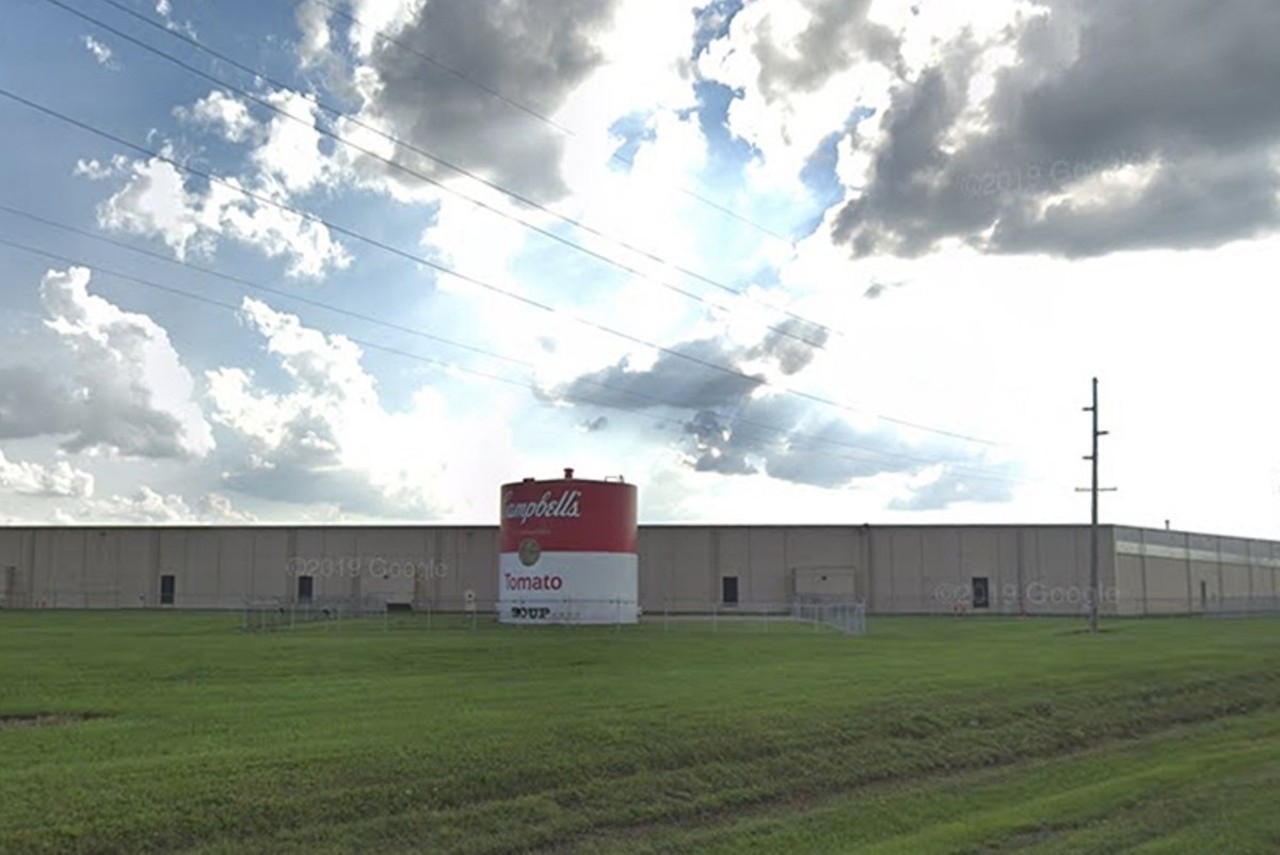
[[416, 174], [529, 111], [471, 280], [790, 437]]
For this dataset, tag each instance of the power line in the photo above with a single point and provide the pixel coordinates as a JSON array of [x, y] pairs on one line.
[[258, 286], [200, 298], [471, 280], [523, 108], [736, 423], [250, 70], [523, 199]]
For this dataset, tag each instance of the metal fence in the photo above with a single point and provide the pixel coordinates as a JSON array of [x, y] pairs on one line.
[[77, 599], [271, 615], [274, 613], [1243, 607], [957, 601], [846, 617]]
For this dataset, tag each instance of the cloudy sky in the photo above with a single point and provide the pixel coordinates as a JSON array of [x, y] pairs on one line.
[[774, 261]]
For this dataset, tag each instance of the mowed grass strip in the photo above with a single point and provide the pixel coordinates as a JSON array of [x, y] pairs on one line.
[[1204, 787], [393, 737]]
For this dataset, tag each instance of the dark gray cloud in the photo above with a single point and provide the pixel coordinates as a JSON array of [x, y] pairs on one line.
[[838, 34], [728, 426], [792, 440], [878, 289], [686, 383], [98, 378], [91, 411], [534, 53], [716, 447], [32, 403], [89, 407], [346, 490], [307, 467], [1189, 89], [698, 374], [596, 424], [791, 344]]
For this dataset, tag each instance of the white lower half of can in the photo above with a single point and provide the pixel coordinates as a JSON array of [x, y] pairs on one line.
[[569, 587]]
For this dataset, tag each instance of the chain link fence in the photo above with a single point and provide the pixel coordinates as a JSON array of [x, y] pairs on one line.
[[1244, 607], [272, 615], [950, 600]]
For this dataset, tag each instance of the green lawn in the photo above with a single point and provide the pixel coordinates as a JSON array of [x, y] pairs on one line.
[[928, 735]]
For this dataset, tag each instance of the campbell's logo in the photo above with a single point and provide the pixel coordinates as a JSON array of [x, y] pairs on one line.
[[546, 507]]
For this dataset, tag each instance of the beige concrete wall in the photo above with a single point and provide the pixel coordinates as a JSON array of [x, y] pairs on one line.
[[834, 557], [732, 553], [225, 567], [766, 580], [657, 568], [980, 557], [1130, 585], [895, 570], [237, 561], [1187, 573], [1262, 582], [1031, 569], [468, 561], [138, 555], [1168, 586], [906, 564], [272, 549], [908, 569], [682, 567], [1057, 572], [14, 586], [939, 563], [678, 568]]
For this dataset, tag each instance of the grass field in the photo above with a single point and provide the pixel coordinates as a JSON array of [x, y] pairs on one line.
[[928, 735]]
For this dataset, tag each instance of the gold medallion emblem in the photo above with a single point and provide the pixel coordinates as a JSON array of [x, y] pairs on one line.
[[529, 552]]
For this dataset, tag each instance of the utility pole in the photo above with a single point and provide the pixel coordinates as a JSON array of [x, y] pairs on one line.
[[1094, 490]]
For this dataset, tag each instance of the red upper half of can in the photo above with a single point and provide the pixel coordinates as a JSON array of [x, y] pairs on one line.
[[569, 515]]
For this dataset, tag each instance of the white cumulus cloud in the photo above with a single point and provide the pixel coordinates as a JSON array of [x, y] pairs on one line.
[[144, 505], [127, 365], [291, 153], [156, 202], [221, 112], [100, 51], [34, 479], [104, 380], [328, 438]]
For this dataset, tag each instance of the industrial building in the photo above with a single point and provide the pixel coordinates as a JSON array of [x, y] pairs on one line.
[[937, 569]]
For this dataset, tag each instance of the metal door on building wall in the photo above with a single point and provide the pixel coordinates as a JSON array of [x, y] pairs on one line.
[[981, 592]]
